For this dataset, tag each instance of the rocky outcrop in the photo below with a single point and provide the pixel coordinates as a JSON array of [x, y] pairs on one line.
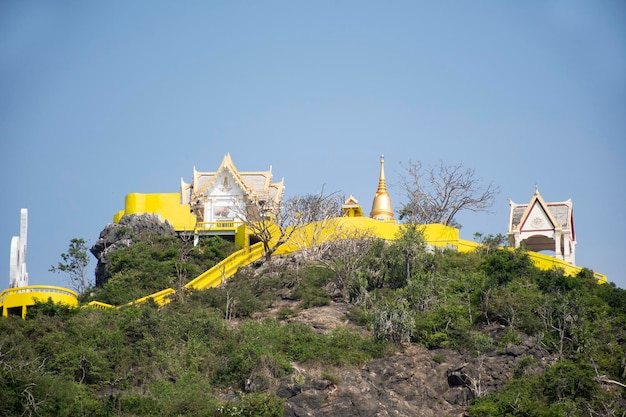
[[129, 230], [414, 382]]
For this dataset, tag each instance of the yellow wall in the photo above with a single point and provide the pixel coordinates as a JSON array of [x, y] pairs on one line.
[[435, 235], [166, 205], [345, 227]]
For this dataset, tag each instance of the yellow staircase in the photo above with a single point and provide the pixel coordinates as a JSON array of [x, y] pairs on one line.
[[208, 279]]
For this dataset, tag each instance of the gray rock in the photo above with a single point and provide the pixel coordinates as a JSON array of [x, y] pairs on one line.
[[128, 231], [409, 383]]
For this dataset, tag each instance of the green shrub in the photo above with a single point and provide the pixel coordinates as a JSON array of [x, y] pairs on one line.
[[439, 359], [361, 316], [310, 291], [285, 313], [253, 405], [331, 377], [394, 323]]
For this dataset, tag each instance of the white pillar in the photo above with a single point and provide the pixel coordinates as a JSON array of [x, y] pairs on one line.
[[558, 240], [18, 277]]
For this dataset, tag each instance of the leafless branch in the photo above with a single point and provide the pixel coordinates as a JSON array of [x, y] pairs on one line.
[[437, 194]]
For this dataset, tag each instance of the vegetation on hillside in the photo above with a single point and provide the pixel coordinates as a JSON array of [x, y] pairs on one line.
[[220, 352], [156, 263]]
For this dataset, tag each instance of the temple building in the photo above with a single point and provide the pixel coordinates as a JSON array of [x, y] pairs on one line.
[[352, 208], [225, 193], [540, 226]]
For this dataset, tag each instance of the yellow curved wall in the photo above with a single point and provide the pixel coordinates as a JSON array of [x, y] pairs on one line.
[[166, 205], [435, 235], [346, 227], [24, 297]]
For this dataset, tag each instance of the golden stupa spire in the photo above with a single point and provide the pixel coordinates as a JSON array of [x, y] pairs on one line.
[[381, 207]]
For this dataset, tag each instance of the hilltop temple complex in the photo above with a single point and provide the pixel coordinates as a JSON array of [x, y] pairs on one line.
[[215, 203]]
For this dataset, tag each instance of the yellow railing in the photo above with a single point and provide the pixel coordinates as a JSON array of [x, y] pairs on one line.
[[97, 305], [160, 298], [218, 225], [24, 297], [208, 279], [226, 268]]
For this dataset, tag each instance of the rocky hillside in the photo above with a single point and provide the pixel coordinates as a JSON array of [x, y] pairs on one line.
[[363, 328], [412, 381]]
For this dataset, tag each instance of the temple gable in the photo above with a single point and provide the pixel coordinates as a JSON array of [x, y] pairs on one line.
[[537, 219]]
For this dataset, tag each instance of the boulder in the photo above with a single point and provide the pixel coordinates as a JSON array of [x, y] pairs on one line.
[[128, 231]]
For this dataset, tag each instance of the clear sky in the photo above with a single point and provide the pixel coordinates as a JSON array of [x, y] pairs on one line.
[[102, 99]]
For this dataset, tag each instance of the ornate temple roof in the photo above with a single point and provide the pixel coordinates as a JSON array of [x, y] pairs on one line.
[[256, 184], [554, 215], [351, 207]]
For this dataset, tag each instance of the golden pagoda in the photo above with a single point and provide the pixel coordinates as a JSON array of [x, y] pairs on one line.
[[381, 206]]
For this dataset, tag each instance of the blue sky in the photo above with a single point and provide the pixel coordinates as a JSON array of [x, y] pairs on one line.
[[101, 99]]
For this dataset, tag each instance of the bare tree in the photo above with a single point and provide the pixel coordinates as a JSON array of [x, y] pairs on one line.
[[299, 220], [270, 222], [439, 193], [184, 252], [317, 213]]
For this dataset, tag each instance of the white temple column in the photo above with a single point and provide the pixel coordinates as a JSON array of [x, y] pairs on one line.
[[558, 242]]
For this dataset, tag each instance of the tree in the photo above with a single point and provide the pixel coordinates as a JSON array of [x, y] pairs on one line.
[[346, 257], [271, 223], [275, 224], [182, 268], [316, 213], [74, 265], [437, 194], [489, 243], [406, 254]]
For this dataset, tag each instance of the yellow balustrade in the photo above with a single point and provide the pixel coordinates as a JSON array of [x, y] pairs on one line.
[[97, 305], [226, 268], [218, 225], [19, 299], [160, 298]]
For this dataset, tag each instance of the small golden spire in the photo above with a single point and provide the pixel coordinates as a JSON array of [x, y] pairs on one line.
[[381, 207]]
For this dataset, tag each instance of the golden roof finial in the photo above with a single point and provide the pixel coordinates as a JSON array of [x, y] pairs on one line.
[[381, 206]]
